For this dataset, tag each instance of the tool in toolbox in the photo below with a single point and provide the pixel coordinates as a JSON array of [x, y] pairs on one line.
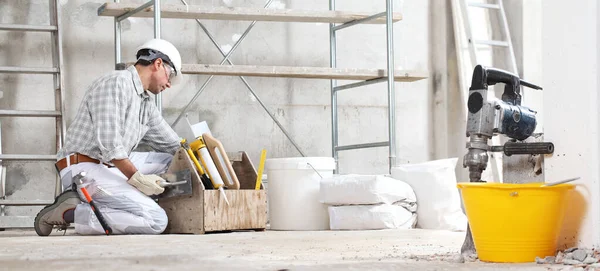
[[203, 177], [176, 184], [207, 162], [78, 186], [218, 154], [261, 166]]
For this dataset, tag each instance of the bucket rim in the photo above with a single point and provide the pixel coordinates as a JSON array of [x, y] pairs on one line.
[[512, 186], [287, 163]]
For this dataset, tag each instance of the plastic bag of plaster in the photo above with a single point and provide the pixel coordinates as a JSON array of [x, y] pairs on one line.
[[354, 189], [370, 217], [434, 183]]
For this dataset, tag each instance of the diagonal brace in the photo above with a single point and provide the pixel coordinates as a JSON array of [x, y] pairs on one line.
[[226, 59]]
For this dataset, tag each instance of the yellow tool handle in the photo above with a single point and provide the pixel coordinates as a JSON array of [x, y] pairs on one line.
[[190, 153], [263, 156], [193, 157]]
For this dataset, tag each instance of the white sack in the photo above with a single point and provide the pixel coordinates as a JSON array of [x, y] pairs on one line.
[[370, 217], [354, 189], [434, 183]]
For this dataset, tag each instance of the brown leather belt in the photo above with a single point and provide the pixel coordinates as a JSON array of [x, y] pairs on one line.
[[77, 158]]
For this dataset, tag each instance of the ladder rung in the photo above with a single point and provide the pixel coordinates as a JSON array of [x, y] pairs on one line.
[[29, 113], [482, 5], [359, 84], [8, 222], [22, 202], [9, 69], [492, 42], [28, 157], [24, 27], [362, 146]]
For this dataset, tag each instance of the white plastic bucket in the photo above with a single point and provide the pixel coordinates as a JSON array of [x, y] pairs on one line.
[[294, 192]]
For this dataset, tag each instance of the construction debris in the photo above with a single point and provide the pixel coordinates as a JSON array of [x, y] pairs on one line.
[[583, 258]]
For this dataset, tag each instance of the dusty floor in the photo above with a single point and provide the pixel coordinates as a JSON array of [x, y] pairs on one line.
[[269, 250]]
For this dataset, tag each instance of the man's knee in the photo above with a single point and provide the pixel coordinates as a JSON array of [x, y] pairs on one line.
[[160, 219]]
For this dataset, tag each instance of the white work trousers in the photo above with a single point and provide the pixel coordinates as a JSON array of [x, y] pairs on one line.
[[125, 209]]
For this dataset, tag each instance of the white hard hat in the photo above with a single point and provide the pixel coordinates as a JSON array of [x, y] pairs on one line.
[[169, 51]]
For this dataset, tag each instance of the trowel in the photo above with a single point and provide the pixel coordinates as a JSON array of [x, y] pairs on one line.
[[219, 156], [176, 184]]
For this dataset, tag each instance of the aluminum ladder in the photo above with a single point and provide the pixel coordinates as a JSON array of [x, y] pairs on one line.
[[54, 28], [465, 6], [462, 17]]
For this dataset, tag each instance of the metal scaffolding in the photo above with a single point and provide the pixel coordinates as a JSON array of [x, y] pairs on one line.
[[391, 143], [389, 76]]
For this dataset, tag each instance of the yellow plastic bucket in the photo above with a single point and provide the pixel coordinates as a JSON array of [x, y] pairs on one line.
[[514, 222]]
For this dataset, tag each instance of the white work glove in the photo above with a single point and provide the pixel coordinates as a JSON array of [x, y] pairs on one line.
[[147, 184]]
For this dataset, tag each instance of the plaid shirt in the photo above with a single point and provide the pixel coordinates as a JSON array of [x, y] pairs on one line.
[[115, 116]]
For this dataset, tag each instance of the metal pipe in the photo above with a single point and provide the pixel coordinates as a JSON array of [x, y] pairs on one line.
[[117, 40], [359, 21], [359, 84], [2, 181], [237, 43], [63, 124], [59, 101], [213, 40], [362, 146], [3, 184], [132, 12], [391, 91], [157, 30], [333, 84]]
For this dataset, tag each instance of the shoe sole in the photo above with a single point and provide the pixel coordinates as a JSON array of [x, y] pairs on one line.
[[45, 210]]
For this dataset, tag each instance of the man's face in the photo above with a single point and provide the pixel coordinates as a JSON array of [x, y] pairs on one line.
[[161, 77]]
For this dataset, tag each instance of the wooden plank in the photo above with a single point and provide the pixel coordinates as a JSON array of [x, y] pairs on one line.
[[245, 171], [185, 213], [302, 72], [243, 14], [247, 210]]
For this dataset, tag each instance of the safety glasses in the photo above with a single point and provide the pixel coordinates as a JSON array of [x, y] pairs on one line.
[[169, 71]]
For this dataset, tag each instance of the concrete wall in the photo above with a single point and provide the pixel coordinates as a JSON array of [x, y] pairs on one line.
[[234, 116], [570, 74]]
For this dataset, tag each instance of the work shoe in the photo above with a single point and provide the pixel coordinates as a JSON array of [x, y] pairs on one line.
[[52, 215]]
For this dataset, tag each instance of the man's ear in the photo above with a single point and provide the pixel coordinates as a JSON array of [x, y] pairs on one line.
[[157, 63]]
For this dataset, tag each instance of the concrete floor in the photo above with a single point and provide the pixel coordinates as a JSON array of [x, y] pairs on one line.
[[269, 250]]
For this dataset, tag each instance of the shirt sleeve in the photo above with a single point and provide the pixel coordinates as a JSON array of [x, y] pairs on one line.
[[107, 105], [160, 136]]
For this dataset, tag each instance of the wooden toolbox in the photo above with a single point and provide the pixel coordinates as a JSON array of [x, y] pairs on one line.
[[206, 210]]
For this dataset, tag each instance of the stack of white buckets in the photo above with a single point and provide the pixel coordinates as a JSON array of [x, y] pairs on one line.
[[293, 192]]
